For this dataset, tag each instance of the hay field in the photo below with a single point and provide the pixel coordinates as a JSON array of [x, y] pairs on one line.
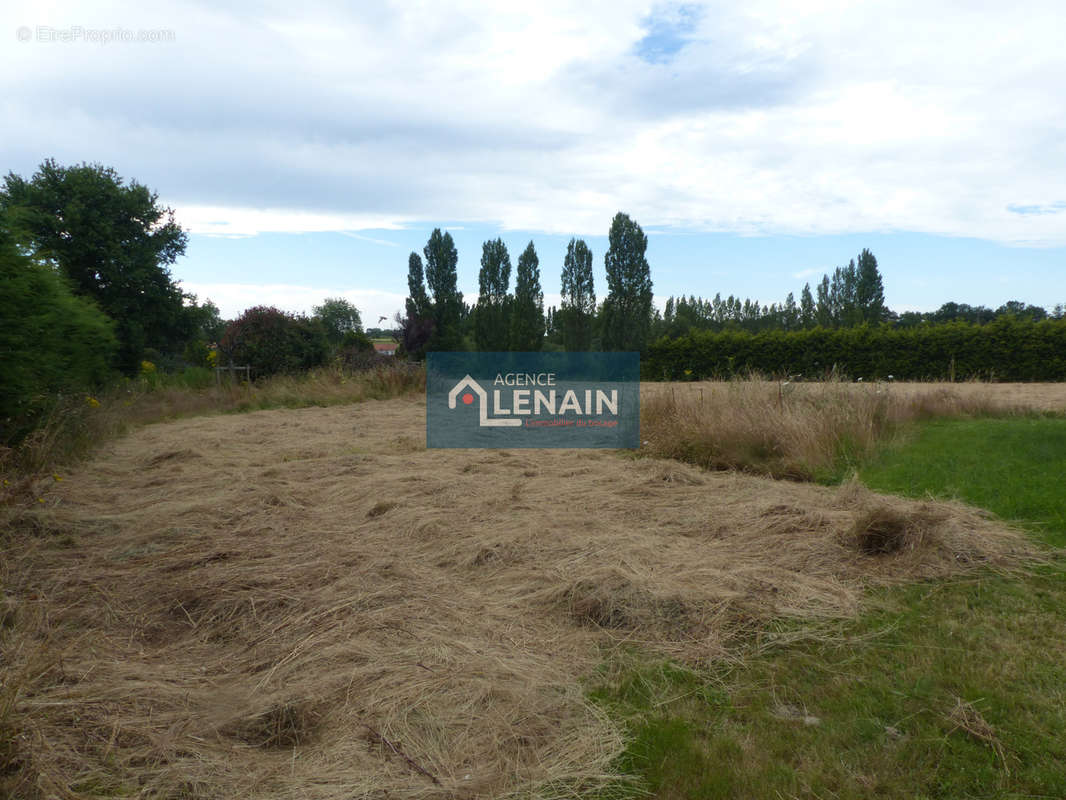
[[309, 604], [1034, 396]]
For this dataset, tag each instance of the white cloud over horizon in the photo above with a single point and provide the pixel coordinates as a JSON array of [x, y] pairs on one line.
[[790, 117], [233, 299]]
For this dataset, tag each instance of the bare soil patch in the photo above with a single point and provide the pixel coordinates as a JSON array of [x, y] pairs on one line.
[[308, 603]]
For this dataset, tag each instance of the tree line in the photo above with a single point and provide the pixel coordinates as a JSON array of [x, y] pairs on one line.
[[87, 298], [86, 295], [437, 319], [852, 295]]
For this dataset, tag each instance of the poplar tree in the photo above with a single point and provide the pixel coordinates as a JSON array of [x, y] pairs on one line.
[[491, 315], [806, 307], [442, 261], [869, 289], [823, 313], [578, 312], [527, 312], [627, 309]]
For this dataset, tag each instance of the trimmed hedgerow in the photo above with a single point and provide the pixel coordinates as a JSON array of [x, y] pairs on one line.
[[1008, 349]]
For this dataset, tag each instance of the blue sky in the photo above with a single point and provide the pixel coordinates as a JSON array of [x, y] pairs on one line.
[[308, 150]]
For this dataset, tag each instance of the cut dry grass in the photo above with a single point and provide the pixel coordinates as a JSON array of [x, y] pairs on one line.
[[77, 425], [804, 431], [307, 602]]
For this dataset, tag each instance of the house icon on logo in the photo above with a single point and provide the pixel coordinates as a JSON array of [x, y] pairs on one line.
[[471, 385]]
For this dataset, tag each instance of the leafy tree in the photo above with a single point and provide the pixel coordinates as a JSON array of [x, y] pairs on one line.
[[789, 315], [491, 317], [416, 328], [869, 289], [1017, 308], [823, 310], [578, 313], [203, 326], [442, 261], [842, 297], [383, 333], [272, 342], [204, 320], [338, 318], [627, 309], [413, 334], [807, 313], [527, 314], [51, 341], [418, 305], [112, 241]]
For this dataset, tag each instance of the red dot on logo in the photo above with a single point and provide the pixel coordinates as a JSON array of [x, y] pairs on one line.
[[468, 398]]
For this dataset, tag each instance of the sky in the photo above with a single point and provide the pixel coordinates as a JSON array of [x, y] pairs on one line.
[[309, 148]]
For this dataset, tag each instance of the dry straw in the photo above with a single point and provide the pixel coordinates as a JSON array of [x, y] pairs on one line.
[[307, 603], [798, 430]]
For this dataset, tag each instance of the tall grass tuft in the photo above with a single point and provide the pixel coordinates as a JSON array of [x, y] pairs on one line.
[[798, 431]]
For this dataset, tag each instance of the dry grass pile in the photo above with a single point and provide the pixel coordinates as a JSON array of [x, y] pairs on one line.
[[307, 603], [798, 430]]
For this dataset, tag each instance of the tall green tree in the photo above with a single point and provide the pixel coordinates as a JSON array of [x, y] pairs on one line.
[[338, 317], [577, 316], [842, 296], [823, 310], [415, 328], [627, 309], [205, 320], [789, 315], [113, 241], [417, 304], [491, 315], [869, 289], [807, 314], [527, 312], [442, 261]]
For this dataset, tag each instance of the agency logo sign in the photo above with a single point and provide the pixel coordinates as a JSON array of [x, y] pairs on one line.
[[533, 400]]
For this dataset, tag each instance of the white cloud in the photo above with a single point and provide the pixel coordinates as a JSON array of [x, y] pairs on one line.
[[776, 117], [222, 221], [234, 298]]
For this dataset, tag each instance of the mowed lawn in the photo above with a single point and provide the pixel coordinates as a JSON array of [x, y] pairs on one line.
[[940, 690]]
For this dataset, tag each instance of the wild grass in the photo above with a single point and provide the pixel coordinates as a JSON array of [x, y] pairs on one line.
[[245, 606], [798, 431], [951, 688], [77, 425], [1015, 467]]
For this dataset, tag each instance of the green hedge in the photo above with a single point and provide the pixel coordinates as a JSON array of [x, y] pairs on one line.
[[1007, 349], [52, 342]]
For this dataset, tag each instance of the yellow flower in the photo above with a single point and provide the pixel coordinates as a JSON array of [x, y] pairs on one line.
[[92, 402], [147, 367], [212, 358], [40, 499], [56, 477]]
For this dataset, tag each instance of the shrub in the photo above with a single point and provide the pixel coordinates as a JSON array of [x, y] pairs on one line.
[[273, 342], [51, 341]]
